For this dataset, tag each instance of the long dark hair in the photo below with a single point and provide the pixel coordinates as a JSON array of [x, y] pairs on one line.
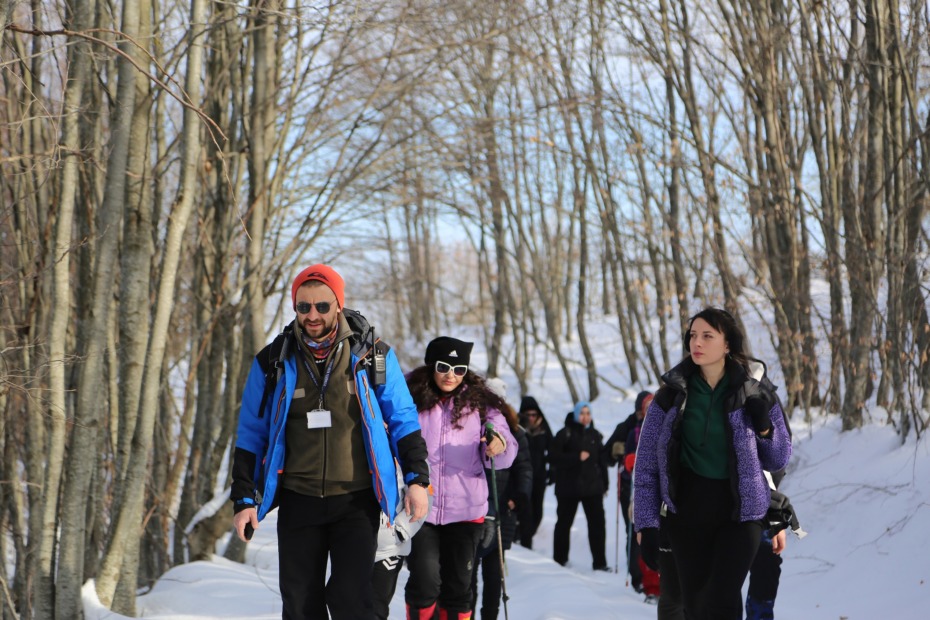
[[723, 322], [472, 394]]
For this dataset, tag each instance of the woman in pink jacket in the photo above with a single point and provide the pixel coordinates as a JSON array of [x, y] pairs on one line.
[[455, 406]]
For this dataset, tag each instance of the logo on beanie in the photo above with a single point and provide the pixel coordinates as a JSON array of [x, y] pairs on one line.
[[446, 349]]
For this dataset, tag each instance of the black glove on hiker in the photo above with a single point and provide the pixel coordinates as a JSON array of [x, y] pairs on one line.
[[649, 547], [758, 412], [488, 531]]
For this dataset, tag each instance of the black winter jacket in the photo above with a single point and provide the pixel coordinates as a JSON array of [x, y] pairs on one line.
[[539, 441], [620, 434], [574, 477]]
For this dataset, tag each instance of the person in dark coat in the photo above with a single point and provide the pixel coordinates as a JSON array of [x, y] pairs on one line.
[[514, 485], [616, 454], [539, 437], [580, 477]]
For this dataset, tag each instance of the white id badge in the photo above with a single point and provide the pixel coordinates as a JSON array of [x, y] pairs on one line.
[[319, 418]]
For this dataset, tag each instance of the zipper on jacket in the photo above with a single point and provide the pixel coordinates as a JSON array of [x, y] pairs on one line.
[[272, 446], [280, 401], [325, 452], [379, 491]]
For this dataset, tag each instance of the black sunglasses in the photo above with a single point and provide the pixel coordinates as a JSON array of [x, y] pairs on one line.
[[444, 368], [322, 307]]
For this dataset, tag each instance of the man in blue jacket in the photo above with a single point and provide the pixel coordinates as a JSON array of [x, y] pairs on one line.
[[324, 412]]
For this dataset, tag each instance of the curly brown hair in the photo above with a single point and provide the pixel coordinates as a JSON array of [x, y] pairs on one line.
[[473, 394]]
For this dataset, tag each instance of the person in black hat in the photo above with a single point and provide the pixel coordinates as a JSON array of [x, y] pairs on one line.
[[454, 405], [539, 436]]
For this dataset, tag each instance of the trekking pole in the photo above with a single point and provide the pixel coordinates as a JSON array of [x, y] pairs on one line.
[[500, 540], [629, 546], [617, 527]]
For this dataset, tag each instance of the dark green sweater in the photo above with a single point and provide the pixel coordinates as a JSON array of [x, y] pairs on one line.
[[703, 429]]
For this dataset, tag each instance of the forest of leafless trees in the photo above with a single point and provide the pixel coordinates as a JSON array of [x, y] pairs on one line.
[[524, 167]]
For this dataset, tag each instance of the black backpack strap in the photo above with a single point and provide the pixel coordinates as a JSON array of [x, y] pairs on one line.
[[367, 347], [271, 360]]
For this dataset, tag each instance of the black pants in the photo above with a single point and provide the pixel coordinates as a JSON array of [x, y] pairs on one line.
[[593, 506], [528, 530], [342, 529], [670, 603], [625, 489], [384, 583], [632, 548], [489, 565], [763, 578], [712, 552], [441, 563]]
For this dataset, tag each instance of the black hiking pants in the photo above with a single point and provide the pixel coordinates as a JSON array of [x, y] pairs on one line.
[[670, 606], [441, 563], [535, 514], [712, 552], [593, 506], [342, 529], [384, 583]]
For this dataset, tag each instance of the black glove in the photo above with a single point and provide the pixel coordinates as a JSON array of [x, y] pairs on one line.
[[758, 412], [649, 547], [488, 532]]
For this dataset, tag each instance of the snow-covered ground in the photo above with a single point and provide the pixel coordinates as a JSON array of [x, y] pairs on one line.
[[863, 498]]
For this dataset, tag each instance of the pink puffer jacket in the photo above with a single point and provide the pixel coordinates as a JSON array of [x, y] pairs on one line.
[[457, 462]]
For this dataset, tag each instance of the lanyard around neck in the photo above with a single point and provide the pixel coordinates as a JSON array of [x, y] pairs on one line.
[[326, 375]]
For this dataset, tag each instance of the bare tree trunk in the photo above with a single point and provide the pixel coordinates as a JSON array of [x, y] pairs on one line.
[[863, 223], [759, 36], [261, 123], [44, 591], [83, 452], [136, 263], [6, 10], [502, 300], [831, 155], [130, 513], [111, 215]]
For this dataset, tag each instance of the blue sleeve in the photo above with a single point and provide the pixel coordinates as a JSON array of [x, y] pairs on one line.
[[403, 421], [252, 433], [395, 401]]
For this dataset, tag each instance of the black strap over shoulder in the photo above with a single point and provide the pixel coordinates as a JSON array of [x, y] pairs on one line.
[[367, 347], [271, 361]]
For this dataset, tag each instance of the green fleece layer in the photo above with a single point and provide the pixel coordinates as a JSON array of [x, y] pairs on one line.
[[703, 429]]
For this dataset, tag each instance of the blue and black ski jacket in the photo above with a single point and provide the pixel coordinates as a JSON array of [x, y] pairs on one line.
[[260, 446]]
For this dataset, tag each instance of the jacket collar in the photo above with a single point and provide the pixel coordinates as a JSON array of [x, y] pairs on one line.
[[678, 376]]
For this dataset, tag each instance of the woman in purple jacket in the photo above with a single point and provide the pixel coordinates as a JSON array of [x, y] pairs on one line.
[[455, 405], [711, 430]]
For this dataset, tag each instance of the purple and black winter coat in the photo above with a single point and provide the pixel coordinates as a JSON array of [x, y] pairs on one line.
[[659, 452]]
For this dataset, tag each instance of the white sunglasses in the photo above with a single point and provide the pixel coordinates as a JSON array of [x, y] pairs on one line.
[[444, 369]]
